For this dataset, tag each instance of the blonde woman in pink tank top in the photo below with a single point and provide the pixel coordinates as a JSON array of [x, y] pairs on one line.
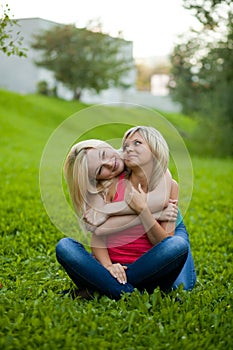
[[141, 256]]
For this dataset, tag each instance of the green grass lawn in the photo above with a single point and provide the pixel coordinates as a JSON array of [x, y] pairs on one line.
[[35, 316]]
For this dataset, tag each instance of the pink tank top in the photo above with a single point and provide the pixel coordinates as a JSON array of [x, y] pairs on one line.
[[127, 245]]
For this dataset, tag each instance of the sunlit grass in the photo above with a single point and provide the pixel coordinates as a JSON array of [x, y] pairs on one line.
[[35, 316]]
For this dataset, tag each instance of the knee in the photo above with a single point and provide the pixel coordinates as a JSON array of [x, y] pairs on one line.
[[62, 247], [68, 250], [180, 245]]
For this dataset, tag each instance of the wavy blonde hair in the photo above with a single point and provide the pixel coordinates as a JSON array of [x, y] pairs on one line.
[[158, 147], [77, 176]]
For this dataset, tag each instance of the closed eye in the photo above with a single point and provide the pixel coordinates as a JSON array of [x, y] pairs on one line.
[[101, 156]]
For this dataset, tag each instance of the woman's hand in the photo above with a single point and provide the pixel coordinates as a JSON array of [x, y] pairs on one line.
[[136, 199], [95, 218], [90, 228], [118, 272], [170, 212]]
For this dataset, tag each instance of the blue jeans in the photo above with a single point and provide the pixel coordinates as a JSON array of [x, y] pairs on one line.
[[187, 276], [160, 266]]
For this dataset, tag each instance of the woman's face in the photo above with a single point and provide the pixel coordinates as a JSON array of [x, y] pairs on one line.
[[104, 163], [136, 151]]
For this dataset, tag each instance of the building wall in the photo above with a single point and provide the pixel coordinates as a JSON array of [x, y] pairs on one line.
[[159, 84], [21, 74]]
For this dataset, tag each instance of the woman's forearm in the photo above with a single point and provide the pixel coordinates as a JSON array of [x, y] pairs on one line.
[[137, 201], [156, 199], [170, 226], [99, 250], [154, 230], [118, 223]]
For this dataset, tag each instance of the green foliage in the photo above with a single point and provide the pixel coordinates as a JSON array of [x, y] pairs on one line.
[[201, 75], [81, 58], [35, 316], [211, 13], [44, 89], [10, 44]]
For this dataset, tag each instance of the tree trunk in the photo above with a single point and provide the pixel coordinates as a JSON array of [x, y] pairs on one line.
[[77, 94]]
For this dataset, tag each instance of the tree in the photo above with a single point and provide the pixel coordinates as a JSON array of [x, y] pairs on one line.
[[212, 13], [83, 59], [10, 44], [202, 72]]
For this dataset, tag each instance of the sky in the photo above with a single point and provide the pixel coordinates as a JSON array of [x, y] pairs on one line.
[[152, 25]]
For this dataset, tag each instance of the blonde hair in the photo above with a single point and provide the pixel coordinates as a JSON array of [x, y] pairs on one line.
[[77, 177], [159, 149]]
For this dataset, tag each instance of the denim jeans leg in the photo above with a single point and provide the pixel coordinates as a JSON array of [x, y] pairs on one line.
[[86, 271], [187, 276], [159, 266]]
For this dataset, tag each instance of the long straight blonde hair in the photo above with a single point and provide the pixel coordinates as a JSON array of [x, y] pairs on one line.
[[159, 149], [77, 177]]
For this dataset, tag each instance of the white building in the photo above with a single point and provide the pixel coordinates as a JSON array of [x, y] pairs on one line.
[[159, 84]]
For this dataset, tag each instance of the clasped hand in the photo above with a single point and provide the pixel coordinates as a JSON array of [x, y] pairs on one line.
[[170, 212], [136, 199]]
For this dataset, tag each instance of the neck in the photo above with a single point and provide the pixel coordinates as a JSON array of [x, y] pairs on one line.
[[141, 176]]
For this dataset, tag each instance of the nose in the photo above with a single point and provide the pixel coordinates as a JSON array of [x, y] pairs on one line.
[[107, 163], [129, 148]]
